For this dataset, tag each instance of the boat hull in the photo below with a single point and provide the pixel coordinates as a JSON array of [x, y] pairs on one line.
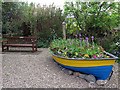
[[100, 72], [101, 69]]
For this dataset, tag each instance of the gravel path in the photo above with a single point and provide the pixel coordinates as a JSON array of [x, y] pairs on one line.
[[38, 70]]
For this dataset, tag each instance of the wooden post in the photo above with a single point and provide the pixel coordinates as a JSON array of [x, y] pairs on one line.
[[64, 30]]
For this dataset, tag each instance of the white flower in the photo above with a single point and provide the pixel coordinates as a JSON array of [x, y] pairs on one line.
[[117, 43]]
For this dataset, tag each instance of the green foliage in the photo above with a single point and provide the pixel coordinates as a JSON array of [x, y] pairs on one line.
[[95, 18], [49, 22], [73, 48], [23, 19], [92, 18], [112, 43]]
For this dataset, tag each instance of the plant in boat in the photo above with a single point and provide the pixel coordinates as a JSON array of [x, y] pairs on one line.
[[77, 48]]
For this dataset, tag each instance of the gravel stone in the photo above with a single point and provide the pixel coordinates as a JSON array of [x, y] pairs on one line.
[[82, 76], [101, 82], [70, 72], [76, 74], [90, 78], [24, 69]]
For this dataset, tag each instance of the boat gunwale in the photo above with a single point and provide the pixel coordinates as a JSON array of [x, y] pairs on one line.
[[111, 55]]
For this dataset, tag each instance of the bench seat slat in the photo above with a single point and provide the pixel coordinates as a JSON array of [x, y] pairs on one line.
[[19, 45]]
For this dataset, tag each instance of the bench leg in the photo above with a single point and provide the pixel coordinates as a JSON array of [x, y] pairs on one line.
[[2, 48], [36, 48], [33, 49], [7, 48]]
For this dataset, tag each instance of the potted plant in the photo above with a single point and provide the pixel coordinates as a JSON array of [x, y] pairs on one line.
[[83, 55]]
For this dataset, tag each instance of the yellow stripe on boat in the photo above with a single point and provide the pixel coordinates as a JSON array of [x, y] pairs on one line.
[[83, 63]]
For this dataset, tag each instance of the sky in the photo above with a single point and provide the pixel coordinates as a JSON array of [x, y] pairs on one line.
[[58, 3]]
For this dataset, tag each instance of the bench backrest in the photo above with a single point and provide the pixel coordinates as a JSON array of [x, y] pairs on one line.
[[21, 40]]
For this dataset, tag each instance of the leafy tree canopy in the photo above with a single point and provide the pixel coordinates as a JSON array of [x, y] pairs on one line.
[[95, 18]]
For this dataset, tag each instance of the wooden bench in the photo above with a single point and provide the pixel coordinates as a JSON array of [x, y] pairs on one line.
[[19, 41]]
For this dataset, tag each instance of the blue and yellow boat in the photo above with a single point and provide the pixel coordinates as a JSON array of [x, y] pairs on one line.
[[100, 68]]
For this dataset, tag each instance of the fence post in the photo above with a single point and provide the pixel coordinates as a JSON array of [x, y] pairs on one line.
[[64, 30]]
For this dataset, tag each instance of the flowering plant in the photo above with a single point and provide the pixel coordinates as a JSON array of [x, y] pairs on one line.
[[77, 48]]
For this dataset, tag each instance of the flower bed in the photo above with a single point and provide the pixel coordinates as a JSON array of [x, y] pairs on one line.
[[77, 48]]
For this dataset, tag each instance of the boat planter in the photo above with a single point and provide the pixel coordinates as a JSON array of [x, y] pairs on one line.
[[100, 68], [83, 56]]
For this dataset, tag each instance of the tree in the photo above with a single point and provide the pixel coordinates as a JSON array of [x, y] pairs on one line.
[[91, 18], [23, 19]]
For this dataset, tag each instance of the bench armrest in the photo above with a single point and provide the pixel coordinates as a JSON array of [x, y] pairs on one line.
[[4, 42]]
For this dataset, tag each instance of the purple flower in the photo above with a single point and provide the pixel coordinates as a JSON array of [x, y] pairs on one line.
[[87, 38], [76, 35], [87, 43], [80, 35], [94, 56], [92, 38]]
